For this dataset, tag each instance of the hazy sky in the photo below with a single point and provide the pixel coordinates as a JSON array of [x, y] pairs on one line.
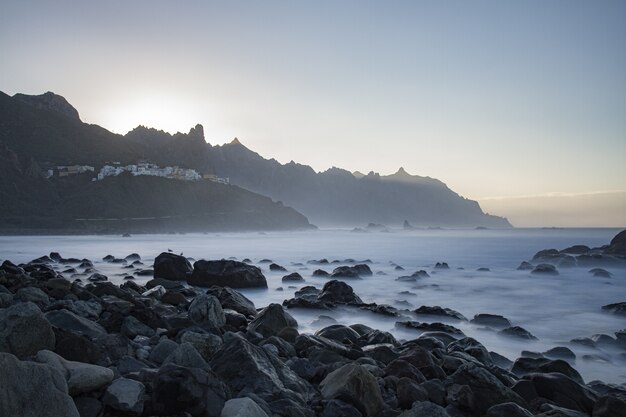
[[495, 98]]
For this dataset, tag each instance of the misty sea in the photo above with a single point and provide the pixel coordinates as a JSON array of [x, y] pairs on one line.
[[555, 309]]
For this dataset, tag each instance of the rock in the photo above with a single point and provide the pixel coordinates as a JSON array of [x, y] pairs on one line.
[[545, 269], [172, 267], [162, 350], [524, 366], [618, 244], [233, 300], [508, 410], [32, 389], [610, 406], [68, 321], [186, 355], [242, 407], [97, 278], [276, 267], [205, 343], [473, 348], [600, 273], [165, 283], [125, 395], [616, 308], [525, 266], [80, 377], [354, 385], [562, 391], [425, 409], [174, 298], [293, 277], [339, 292], [156, 292], [34, 295], [227, 273], [272, 320], [206, 310], [427, 327], [356, 271], [320, 273], [560, 352], [339, 333], [131, 327], [179, 390], [442, 265], [88, 406], [517, 332], [491, 320], [487, 389], [439, 311], [24, 330], [408, 391], [249, 368]]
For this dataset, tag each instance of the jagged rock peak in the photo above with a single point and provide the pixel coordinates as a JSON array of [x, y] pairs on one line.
[[196, 132], [49, 101], [236, 142], [401, 171]]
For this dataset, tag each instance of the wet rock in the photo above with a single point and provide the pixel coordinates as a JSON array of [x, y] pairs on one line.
[[272, 320], [172, 267], [339, 333], [356, 386], [610, 406], [545, 269], [356, 271], [132, 327], [233, 300], [525, 266], [320, 273], [242, 407], [34, 295], [80, 377], [430, 327], [441, 312], [338, 408], [409, 391], [560, 352], [226, 273], [165, 283], [600, 273], [97, 278], [68, 321], [517, 332], [425, 408], [206, 310], [491, 320], [338, 292], [24, 330], [162, 350], [33, 389], [442, 265], [473, 348], [125, 395], [205, 343], [88, 406], [186, 355], [174, 298]]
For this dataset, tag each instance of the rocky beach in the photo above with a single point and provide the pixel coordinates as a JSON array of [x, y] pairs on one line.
[[179, 338]]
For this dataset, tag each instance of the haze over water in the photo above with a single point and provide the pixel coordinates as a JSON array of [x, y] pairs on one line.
[[553, 308]]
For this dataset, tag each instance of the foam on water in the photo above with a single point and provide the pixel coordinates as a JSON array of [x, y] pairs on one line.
[[553, 308]]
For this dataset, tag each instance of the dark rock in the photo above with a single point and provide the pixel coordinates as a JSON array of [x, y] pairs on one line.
[[272, 320], [339, 292], [616, 308], [174, 298], [24, 330], [68, 321], [339, 333], [162, 350], [133, 257], [34, 295], [545, 269], [525, 266], [517, 332], [186, 355], [242, 407], [320, 273], [429, 327], [233, 300], [353, 384], [425, 408], [276, 267], [248, 368], [491, 320], [356, 271], [205, 343], [132, 327], [610, 406], [293, 277], [226, 273], [125, 395], [165, 283], [441, 312], [618, 244], [409, 391], [88, 406], [563, 391], [508, 410], [33, 389], [560, 352], [172, 267], [338, 408], [442, 265], [206, 310], [97, 278], [600, 273], [524, 366]]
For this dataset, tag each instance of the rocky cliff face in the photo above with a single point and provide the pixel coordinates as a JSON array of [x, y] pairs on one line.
[[49, 101]]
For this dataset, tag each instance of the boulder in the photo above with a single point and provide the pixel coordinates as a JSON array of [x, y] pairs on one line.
[[249, 368], [233, 300], [615, 308], [545, 269], [524, 366], [242, 407], [80, 377], [162, 350], [425, 408], [338, 292], [186, 355], [562, 391], [356, 271], [179, 390], [272, 320], [205, 343], [29, 389], [24, 330], [610, 406], [491, 320], [508, 410], [355, 385], [172, 267], [206, 310], [293, 277], [339, 333], [132, 327], [68, 321], [440, 312], [517, 332], [276, 267], [34, 295], [226, 273], [125, 395]]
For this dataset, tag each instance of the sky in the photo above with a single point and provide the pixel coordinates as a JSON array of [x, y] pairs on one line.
[[503, 101]]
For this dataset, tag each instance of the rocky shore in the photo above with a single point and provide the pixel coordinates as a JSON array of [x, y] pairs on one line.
[[187, 343]]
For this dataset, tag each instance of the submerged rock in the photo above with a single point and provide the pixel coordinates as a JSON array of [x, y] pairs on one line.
[[439, 311], [491, 320]]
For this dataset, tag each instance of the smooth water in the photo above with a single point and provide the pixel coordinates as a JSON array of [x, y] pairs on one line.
[[554, 309]]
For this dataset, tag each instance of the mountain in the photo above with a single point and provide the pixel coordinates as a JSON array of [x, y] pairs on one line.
[[37, 134], [51, 136]]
